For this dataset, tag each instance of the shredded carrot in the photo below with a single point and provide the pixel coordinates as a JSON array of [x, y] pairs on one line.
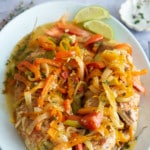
[[131, 133], [93, 73], [79, 139], [64, 54], [140, 72], [67, 105], [56, 114], [124, 46], [48, 61], [86, 110], [25, 64], [45, 90]]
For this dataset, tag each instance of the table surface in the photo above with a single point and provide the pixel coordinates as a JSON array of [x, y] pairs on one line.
[[11, 8]]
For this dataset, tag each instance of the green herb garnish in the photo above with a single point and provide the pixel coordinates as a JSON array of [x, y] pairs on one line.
[[141, 15], [136, 21], [138, 6]]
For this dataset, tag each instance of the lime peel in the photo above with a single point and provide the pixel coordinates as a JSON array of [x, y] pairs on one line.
[[91, 12], [99, 27]]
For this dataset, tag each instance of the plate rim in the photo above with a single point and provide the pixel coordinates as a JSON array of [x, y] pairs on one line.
[[116, 20]]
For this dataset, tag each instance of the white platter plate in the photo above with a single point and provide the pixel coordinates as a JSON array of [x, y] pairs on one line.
[[49, 12]]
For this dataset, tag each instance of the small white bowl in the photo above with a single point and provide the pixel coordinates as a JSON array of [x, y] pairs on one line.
[[136, 14]]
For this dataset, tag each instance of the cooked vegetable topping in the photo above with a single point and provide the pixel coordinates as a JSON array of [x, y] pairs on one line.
[[74, 90]]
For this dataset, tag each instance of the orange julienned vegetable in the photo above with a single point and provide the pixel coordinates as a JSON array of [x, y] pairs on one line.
[[64, 54], [139, 72], [86, 110], [47, 61], [45, 90], [67, 105], [94, 38], [22, 66], [124, 46]]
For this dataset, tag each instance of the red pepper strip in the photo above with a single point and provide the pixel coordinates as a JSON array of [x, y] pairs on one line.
[[45, 90], [98, 65], [124, 46], [91, 121], [93, 39], [64, 54], [54, 32], [47, 61], [25, 64], [72, 29], [79, 147]]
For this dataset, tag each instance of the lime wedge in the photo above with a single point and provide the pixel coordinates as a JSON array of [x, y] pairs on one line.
[[99, 27], [91, 12]]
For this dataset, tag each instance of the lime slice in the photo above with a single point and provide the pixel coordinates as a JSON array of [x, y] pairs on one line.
[[91, 12], [99, 27]]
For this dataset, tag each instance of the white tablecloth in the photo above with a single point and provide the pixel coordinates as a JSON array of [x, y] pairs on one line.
[[9, 8]]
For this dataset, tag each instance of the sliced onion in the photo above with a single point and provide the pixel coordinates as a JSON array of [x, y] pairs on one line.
[[111, 98], [107, 72], [115, 119], [89, 145], [80, 83], [81, 66], [45, 69], [28, 97], [95, 88], [38, 119]]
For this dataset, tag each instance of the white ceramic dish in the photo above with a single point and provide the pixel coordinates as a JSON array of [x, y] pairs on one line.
[[136, 14], [49, 12]]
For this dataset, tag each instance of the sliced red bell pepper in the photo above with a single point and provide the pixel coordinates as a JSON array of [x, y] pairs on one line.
[[79, 147], [91, 121], [64, 54], [93, 39], [98, 65]]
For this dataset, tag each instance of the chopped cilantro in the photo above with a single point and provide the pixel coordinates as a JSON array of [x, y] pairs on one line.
[[136, 21], [138, 6], [141, 15]]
